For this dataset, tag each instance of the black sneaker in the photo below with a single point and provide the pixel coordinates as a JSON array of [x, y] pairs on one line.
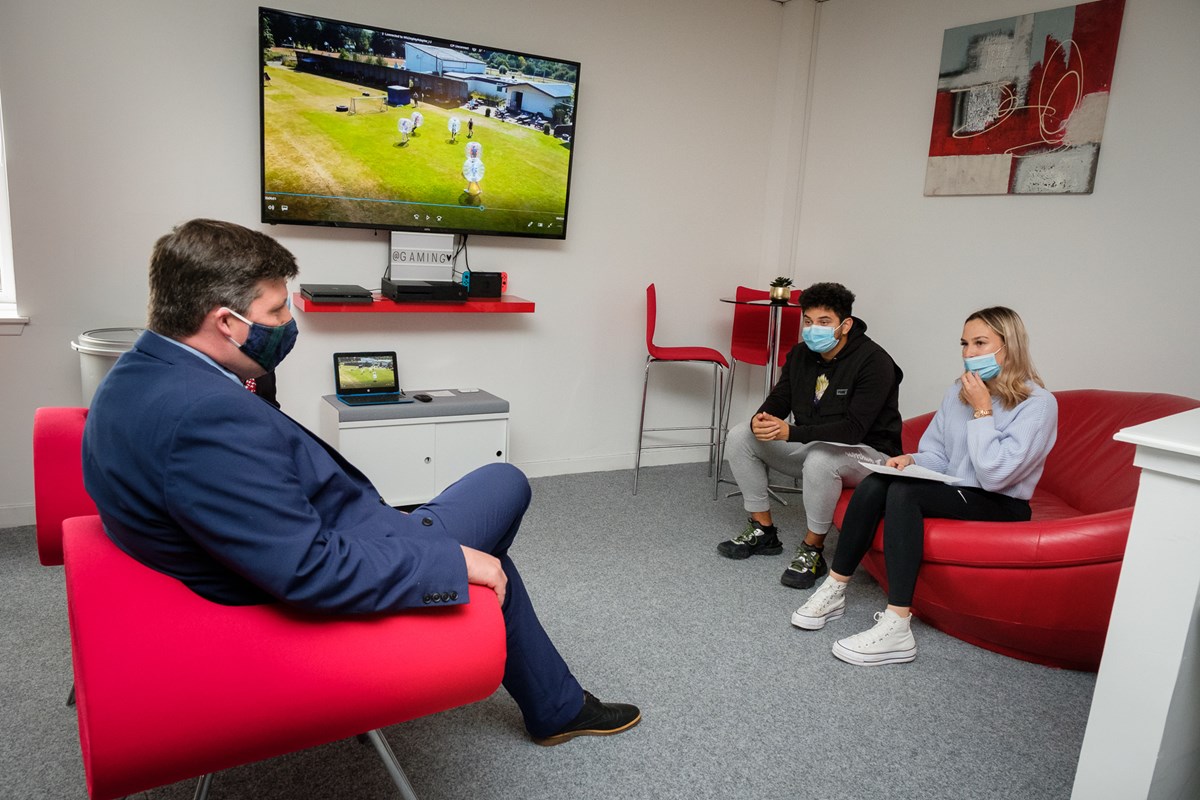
[[806, 567], [595, 719], [755, 540]]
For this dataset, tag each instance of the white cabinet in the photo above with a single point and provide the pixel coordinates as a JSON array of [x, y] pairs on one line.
[[411, 455], [463, 445]]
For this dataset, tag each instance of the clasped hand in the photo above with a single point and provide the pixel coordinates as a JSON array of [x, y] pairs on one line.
[[485, 570], [767, 428]]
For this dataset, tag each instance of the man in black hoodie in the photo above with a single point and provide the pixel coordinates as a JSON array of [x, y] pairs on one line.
[[841, 390]]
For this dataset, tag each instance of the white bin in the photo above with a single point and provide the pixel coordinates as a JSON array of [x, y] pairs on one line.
[[98, 350]]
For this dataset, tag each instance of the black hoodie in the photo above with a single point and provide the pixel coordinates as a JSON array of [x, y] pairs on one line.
[[860, 404]]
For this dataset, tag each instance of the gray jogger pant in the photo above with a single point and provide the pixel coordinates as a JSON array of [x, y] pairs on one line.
[[824, 468]]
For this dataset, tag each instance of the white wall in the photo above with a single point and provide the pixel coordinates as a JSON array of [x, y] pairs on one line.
[[124, 119], [1107, 283], [138, 115]]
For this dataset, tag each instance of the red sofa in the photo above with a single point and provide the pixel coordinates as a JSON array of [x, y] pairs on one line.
[[171, 686], [1041, 590]]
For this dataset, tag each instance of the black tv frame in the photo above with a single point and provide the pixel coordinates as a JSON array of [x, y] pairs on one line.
[[272, 200]]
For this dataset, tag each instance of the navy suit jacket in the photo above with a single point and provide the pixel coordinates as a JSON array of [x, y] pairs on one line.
[[198, 478]]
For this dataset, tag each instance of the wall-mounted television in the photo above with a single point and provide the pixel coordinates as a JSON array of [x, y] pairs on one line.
[[368, 127]]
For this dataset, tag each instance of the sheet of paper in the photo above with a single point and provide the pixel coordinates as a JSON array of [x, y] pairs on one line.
[[859, 452], [441, 393], [913, 471]]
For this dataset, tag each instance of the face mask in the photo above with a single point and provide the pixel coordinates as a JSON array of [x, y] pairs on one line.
[[819, 338], [984, 366], [267, 345]]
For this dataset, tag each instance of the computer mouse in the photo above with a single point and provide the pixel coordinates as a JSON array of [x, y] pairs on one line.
[[424, 398]]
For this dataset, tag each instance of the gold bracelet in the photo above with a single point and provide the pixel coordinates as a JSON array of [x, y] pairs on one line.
[[981, 414]]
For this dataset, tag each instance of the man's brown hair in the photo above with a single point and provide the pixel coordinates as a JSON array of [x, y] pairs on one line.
[[205, 263]]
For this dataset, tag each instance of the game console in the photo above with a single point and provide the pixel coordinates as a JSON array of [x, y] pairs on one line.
[[335, 293], [423, 291], [483, 284]]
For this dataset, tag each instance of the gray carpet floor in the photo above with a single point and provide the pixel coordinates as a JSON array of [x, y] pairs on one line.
[[736, 702]]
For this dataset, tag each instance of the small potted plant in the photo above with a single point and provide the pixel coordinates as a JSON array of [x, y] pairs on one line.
[[781, 289]]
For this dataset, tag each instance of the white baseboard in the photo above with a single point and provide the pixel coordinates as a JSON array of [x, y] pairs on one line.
[[16, 515], [572, 466]]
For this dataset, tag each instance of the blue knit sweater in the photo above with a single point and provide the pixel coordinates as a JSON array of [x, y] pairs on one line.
[[1002, 453]]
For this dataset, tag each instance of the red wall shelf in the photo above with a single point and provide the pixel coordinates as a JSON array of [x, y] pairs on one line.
[[505, 304]]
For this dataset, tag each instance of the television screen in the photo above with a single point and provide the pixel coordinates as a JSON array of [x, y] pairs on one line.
[[368, 127]]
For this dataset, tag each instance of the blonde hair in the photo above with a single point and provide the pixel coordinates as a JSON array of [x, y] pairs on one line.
[[1012, 384]]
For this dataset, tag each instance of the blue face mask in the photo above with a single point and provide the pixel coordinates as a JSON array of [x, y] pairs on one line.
[[984, 366], [820, 338], [267, 345]]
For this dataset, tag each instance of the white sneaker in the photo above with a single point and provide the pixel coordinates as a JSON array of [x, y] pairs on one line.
[[826, 603], [889, 642]]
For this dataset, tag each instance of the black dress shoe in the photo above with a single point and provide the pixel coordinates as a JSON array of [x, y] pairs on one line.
[[595, 719]]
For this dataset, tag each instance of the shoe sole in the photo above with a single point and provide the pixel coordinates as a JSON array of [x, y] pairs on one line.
[[815, 623], [873, 659], [799, 580], [550, 741], [762, 551]]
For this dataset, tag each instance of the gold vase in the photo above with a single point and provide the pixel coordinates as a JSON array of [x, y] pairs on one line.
[[779, 293]]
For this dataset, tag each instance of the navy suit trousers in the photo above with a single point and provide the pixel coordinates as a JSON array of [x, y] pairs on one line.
[[483, 510]]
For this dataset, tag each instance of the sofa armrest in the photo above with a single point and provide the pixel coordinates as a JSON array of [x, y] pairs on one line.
[[1083, 539], [1037, 544]]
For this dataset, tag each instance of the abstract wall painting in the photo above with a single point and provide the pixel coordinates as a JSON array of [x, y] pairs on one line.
[[1021, 102]]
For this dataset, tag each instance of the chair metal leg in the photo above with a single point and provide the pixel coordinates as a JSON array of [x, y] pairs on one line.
[[728, 401], [712, 426], [392, 765], [715, 438], [715, 441], [637, 459], [202, 787], [726, 411], [375, 737]]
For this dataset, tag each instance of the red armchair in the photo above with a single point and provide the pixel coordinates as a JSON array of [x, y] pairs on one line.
[[171, 686], [1041, 590]]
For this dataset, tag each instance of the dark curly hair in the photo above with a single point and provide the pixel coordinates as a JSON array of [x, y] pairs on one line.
[[834, 296], [205, 263]]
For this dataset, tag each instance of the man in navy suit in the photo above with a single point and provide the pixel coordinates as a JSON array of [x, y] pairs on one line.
[[199, 479]]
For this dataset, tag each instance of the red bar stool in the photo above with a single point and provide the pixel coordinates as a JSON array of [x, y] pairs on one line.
[[682, 355], [749, 344]]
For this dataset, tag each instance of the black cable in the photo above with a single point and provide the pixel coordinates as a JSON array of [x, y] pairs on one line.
[[462, 249]]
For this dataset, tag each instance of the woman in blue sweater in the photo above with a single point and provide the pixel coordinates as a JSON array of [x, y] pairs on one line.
[[994, 429]]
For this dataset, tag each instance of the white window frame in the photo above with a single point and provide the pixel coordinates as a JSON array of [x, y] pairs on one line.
[[11, 322]]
